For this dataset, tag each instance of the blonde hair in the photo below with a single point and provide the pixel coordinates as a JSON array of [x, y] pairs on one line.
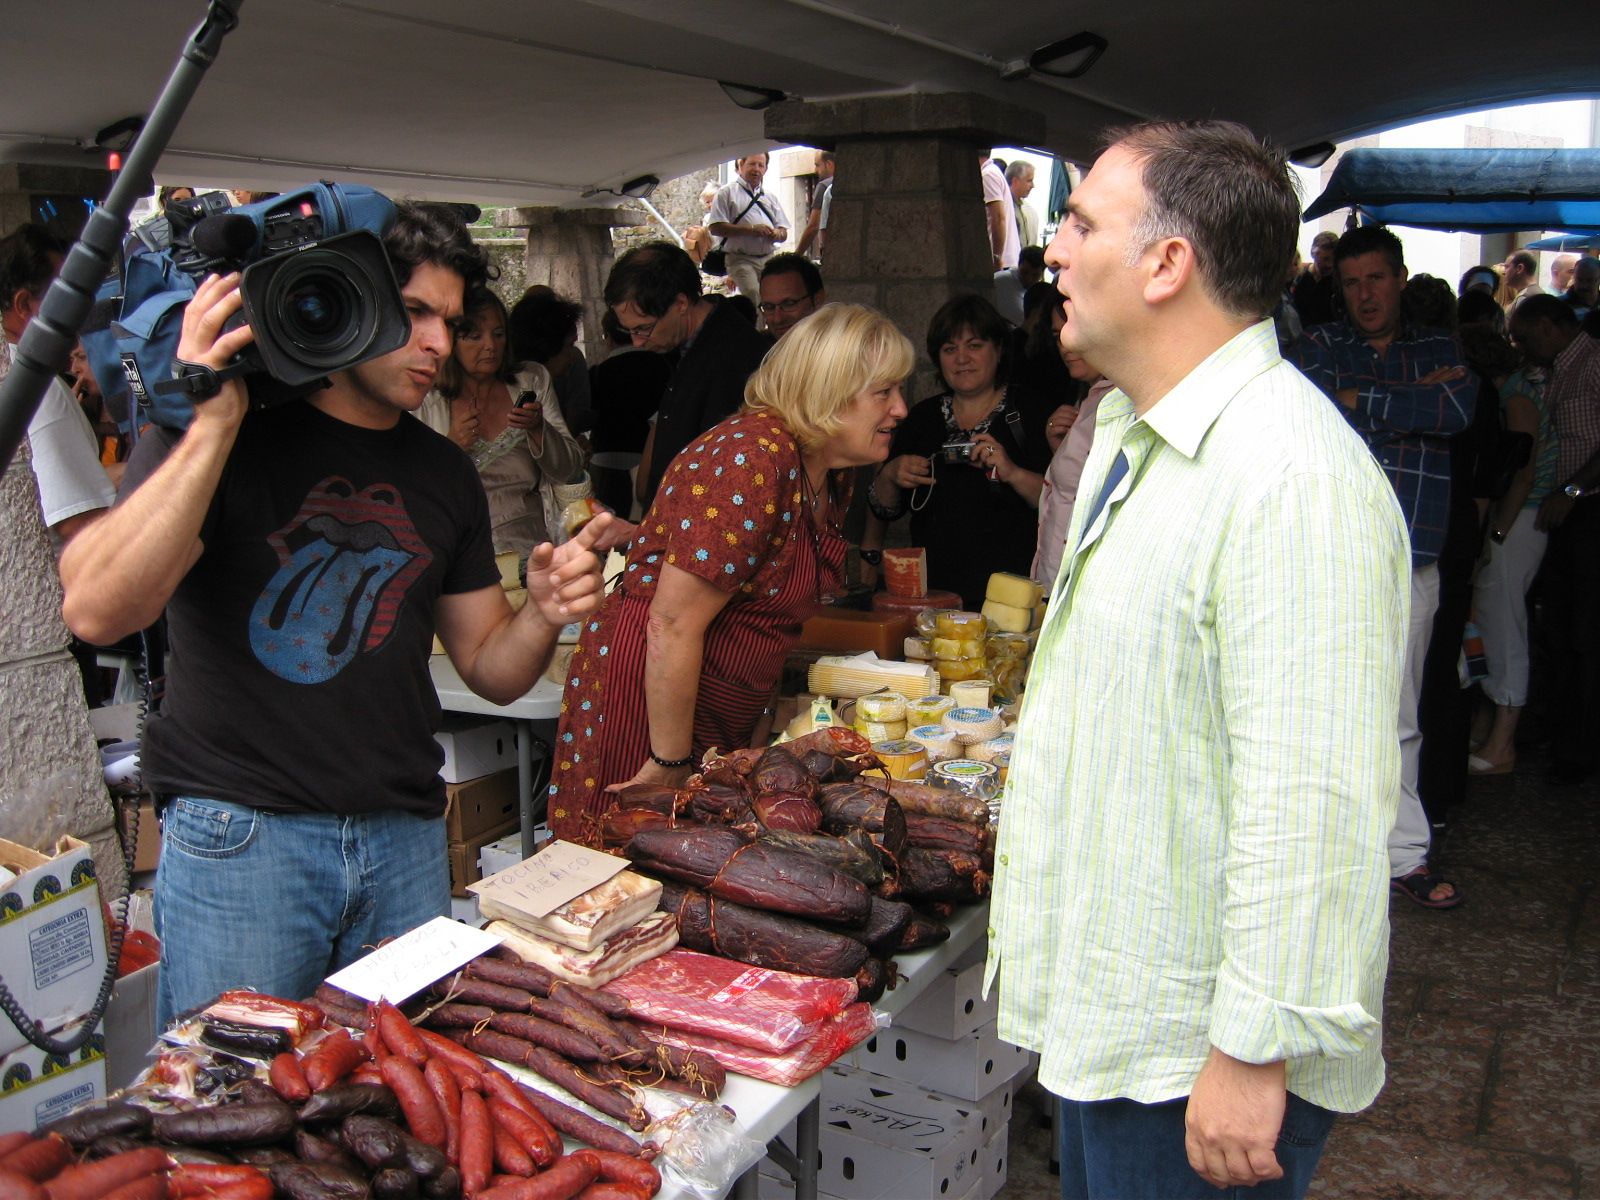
[[820, 366]]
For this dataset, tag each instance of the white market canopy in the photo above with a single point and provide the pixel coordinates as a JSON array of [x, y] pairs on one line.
[[533, 102]]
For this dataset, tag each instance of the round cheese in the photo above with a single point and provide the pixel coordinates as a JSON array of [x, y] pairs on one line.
[[881, 731], [938, 741], [972, 725], [928, 710], [979, 780], [904, 759], [881, 706], [986, 751]]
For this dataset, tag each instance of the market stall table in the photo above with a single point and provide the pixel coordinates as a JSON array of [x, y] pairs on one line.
[[540, 704]]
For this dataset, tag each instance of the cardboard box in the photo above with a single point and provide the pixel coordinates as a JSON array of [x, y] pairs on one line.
[[881, 1138], [130, 1025], [996, 1154], [475, 806], [52, 935], [966, 1068], [952, 1006], [36, 1087], [994, 1110], [474, 747], [464, 868], [500, 854]]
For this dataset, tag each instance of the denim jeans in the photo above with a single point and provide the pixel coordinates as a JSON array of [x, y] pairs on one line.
[[278, 901], [1123, 1150]]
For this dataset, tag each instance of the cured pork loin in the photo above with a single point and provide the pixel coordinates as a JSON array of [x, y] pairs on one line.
[[762, 939]]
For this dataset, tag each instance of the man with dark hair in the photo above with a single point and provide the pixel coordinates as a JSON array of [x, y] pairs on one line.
[[1011, 284], [1521, 278], [306, 556], [653, 291], [1584, 292], [750, 221], [1405, 391], [813, 237], [1316, 291], [1189, 910], [791, 290], [1547, 332], [74, 488]]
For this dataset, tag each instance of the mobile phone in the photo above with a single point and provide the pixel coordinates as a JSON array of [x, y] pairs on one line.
[[525, 398]]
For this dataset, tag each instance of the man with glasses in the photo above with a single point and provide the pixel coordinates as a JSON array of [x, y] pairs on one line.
[[653, 291], [791, 290]]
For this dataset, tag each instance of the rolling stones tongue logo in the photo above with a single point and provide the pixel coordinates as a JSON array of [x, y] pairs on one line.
[[345, 563]]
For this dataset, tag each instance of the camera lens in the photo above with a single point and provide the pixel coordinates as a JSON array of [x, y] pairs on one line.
[[321, 304]]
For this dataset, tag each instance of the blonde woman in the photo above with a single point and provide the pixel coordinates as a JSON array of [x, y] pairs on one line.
[[737, 551]]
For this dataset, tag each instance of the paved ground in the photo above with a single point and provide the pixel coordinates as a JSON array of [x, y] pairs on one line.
[[1492, 1028]]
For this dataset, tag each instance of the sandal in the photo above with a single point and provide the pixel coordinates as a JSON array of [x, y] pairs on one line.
[[1418, 887], [1477, 765]]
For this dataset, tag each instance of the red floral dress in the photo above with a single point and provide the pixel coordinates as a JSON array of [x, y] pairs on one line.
[[731, 510]]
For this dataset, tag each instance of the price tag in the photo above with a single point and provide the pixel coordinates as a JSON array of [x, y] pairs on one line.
[[411, 962], [539, 885]]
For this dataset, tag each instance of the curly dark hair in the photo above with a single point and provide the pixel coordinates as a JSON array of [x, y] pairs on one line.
[[435, 233], [28, 263], [540, 325]]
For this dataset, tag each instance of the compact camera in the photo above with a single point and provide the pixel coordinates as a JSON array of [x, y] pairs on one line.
[[954, 452]]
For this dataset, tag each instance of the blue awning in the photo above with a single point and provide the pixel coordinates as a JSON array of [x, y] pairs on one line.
[[1470, 191]]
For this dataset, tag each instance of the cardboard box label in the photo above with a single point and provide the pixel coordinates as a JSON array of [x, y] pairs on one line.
[[61, 948]]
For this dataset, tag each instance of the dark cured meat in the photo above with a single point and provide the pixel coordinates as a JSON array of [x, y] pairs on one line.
[[779, 771], [873, 980], [931, 801], [853, 805], [852, 853], [884, 927], [562, 1040], [507, 967], [760, 876], [581, 1126], [941, 833], [719, 804], [943, 875], [460, 1016], [761, 939], [619, 825], [650, 797], [923, 931], [787, 812], [611, 1101]]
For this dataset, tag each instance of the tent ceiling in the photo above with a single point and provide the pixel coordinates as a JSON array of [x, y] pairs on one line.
[[528, 101]]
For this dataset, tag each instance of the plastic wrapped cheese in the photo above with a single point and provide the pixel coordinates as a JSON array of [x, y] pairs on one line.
[[918, 649], [938, 741], [959, 624], [952, 669], [880, 731], [973, 725], [881, 706], [943, 647], [986, 751], [750, 1006], [928, 710], [979, 780]]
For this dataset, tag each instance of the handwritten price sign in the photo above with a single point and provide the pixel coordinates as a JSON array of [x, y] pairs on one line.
[[562, 871], [411, 962]]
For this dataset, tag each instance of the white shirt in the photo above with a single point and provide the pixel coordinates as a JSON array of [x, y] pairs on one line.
[[995, 188], [731, 201], [66, 456]]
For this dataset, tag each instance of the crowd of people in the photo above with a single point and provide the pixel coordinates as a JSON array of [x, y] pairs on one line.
[[1256, 622]]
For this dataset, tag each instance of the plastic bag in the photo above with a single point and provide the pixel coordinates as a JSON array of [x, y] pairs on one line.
[[801, 1061], [704, 1151], [750, 1006]]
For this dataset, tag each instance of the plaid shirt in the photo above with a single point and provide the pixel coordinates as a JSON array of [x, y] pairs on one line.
[[1573, 397], [1405, 425]]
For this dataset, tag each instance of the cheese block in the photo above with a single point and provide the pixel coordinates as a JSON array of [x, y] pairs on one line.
[[1008, 617], [960, 624], [860, 674], [509, 565], [1016, 590], [904, 759], [943, 647], [587, 920], [961, 668], [844, 630], [623, 951], [918, 649], [972, 725], [970, 693], [905, 572]]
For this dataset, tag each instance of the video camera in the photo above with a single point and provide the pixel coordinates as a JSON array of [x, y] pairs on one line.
[[317, 287]]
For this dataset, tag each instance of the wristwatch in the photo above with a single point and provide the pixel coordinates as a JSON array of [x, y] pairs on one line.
[[1573, 492], [871, 557]]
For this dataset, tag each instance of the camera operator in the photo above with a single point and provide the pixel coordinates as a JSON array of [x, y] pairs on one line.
[[306, 555]]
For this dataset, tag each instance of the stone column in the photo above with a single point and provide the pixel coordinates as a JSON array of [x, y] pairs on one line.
[[50, 779], [906, 228], [569, 250]]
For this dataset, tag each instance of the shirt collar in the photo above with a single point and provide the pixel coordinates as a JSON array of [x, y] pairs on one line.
[[1183, 416]]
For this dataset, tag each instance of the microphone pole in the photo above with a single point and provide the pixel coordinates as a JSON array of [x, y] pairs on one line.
[[51, 335]]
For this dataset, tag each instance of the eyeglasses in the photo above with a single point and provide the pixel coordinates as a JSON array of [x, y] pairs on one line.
[[640, 332], [785, 306]]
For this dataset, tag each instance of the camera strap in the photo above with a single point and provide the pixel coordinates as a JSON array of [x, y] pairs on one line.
[[197, 380]]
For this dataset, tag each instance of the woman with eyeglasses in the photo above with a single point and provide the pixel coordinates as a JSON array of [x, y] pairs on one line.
[[506, 417], [968, 463], [739, 547]]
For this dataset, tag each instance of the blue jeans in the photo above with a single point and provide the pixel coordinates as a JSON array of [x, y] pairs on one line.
[[278, 901], [1123, 1150]]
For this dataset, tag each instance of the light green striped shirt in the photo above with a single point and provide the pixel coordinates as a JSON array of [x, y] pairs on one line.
[[1192, 844]]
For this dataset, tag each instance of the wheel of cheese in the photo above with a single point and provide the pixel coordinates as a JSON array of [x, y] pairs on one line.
[[881, 706], [928, 710], [904, 759], [881, 731], [987, 751], [972, 725], [939, 742], [979, 780]]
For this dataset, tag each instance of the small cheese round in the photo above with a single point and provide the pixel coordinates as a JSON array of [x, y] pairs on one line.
[[939, 741], [881, 706], [972, 725], [904, 759], [986, 751], [976, 779], [928, 710]]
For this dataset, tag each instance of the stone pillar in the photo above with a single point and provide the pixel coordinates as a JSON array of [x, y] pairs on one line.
[[906, 229], [569, 250], [50, 778]]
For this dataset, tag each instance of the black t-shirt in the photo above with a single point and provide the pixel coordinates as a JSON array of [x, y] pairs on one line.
[[298, 669], [970, 525]]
